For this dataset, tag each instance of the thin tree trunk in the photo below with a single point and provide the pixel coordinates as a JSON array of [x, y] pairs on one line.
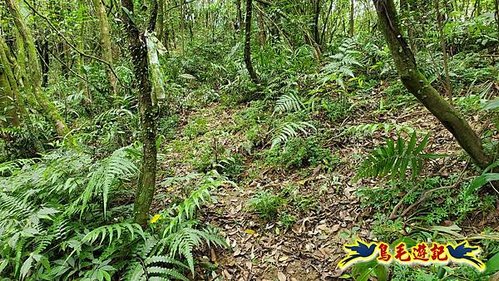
[[160, 26], [443, 46], [148, 112], [247, 43], [326, 21], [315, 23], [352, 19], [419, 86], [105, 39], [262, 35], [239, 22], [34, 70]]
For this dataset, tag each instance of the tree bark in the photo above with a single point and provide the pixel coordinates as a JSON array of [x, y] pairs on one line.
[[247, 43], [160, 25], [352, 18], [148, 114], [239, 22], [419, 86], [315, 23], [262, 35], [105, 39]]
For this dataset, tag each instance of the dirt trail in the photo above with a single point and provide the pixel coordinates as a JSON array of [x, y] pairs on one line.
[[311, 248]]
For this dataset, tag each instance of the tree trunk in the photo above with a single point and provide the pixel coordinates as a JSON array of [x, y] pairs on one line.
[[239, 15], [352, 19], [148, 113], [106, 46], [326, 21], [419, 86], [160, 26], [34, 73], [247, 43], [8, 93], [443, 46], [262, 35], [315, 23]]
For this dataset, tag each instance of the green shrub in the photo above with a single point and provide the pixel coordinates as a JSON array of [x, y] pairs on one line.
[[196, 127], [266, 204], [298, 152], [336, 109], [231, 167], [287, 220], [253, 122], [167, 126]]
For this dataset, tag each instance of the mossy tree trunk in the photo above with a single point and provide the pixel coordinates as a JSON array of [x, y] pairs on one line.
[[9, 90], [148, 112], [33, 71], [419, 86], [106, 46], [247, 43]]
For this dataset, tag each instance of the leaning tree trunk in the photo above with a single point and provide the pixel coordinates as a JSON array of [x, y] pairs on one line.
[[419, 86], [148, 113], [247, 43], [33, 71], [105, 39]]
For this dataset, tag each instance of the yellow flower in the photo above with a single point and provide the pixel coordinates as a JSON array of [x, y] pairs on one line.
[[155, 218]]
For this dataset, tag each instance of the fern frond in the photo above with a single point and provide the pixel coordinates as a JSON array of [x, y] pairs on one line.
[[396, 158], [185, 211], [107, 174], [290, 130], [166, 273], [288, 103], [108, 231], [363, 130]]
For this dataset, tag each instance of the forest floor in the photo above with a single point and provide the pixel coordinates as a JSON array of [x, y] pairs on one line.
[[312, 247]]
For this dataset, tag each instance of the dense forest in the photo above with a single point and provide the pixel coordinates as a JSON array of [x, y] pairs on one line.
[[249, 139]]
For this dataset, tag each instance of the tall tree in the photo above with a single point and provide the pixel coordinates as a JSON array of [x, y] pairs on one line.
[[351, 24], [421, 88], [247, 43], [315, 22], [105, 39], [148, 111]]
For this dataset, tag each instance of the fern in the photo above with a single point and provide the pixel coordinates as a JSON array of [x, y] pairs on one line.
[[163, 256], [363, 130], [396, 158], [107, 173], [342, 64], [108, 231], [288, 103], [290, 130]]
